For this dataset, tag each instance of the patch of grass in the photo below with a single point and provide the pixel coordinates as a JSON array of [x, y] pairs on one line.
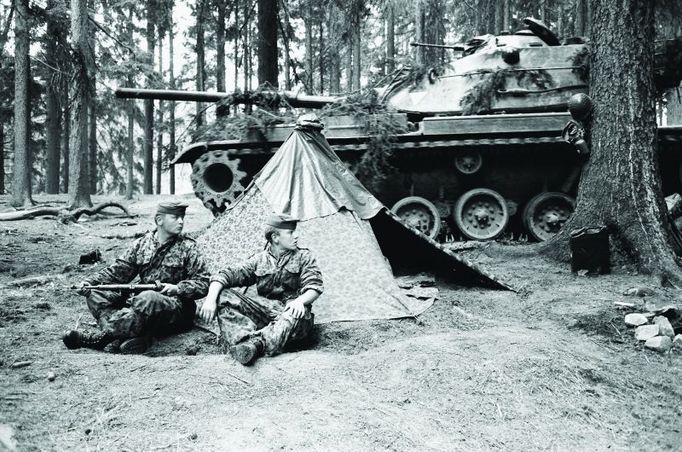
[[605, 322]]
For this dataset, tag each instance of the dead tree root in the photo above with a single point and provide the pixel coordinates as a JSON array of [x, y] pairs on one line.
[[62, 214]]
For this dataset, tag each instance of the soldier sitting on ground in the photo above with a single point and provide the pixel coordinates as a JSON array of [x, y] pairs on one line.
[[165, 255], [288, 282]]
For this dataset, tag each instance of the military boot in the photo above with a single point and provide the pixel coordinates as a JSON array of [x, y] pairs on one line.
[[246, 352], [78, 339]]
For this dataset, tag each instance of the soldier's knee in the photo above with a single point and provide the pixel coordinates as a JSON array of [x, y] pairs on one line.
[[147, 300]]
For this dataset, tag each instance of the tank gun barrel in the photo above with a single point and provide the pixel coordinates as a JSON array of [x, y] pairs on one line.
[[458, 48], [296, 100]]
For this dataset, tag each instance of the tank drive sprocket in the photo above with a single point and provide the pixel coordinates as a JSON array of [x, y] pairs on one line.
[[217, 180]]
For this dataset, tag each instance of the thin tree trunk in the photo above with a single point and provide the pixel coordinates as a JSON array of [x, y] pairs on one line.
[[149, 104], [349, 65], [200, 49], [267, 42], [52, 110], [321, 53], [159, 136], [66, 149], [506, 16], [248, 56], [92, 121], [308, 22], [285, 41], [357, 58], [390, 37], [21, 183], [79, 193], [419, 23], [130, 155], [171, 108], [236, 45], [623, 143], [220, 46]]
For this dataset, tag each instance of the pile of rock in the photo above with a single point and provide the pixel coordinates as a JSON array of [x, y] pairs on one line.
[[656, 329]]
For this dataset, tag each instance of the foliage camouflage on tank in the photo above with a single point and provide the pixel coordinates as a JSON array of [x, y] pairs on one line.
[[472, 149]]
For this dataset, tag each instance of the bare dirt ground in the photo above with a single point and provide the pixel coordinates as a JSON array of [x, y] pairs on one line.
[[549, 368]]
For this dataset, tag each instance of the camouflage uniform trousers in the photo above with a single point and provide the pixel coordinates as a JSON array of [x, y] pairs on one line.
[[147, 313], [242, 317]]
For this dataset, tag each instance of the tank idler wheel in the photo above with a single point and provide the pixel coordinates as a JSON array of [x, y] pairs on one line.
[[546, 213], [419, 214], [481, 214], [216, 180], [469, 163]]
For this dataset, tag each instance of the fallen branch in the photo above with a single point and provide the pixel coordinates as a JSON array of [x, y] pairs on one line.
[[33, 281], [64, 215]]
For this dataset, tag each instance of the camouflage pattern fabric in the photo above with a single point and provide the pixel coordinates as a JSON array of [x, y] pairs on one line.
[[242, 317], [148, 313], [177, 261], [278, 278]]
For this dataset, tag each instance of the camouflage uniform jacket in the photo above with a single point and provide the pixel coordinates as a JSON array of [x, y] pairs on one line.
[[283, 278], [177, 261]]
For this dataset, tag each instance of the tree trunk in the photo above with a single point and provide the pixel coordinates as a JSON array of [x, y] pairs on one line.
[[66, 149], [334, 38], [21, 183], [267, 42], [357, 50], [92, 121], [581, 18], [149, 104], [320, 60], [420, 32], [308, 22], [499, 19], [130, 155], [79, 193], [349, 65], [159, 136], [285, 41], [220, 46], [52, 110], [390, 37], [623, 143], [506, 16], [674, 106], [236, 45], [200, 49], [171, 109]]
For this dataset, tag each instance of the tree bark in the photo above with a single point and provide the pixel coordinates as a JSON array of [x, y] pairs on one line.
[[283, 23], [308, 22], [320, 59], [200, 50], [66, 150], [92, 121], [349, 64], [159, 135], [79, 193], [21, 183], [52, 110], [357, 52], [390, 37], [267, 42], [236, 45], [506, 16], [220, 46], [334, 40], [2, 158], [581, 18], [171, 107], [149, 104], [130, 155], [420, 32], [623, 143]]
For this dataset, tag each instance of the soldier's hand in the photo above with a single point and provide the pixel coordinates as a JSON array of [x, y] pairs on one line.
[[207, 311], [169, 289], [81, 290], [296, 308]]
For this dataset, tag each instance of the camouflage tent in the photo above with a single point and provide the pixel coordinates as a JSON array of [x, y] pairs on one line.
[[338, 222]]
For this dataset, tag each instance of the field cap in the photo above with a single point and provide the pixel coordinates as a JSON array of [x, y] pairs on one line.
[[282, 221], [172, 207]]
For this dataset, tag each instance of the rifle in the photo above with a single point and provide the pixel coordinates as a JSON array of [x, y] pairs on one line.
[[123, 287]]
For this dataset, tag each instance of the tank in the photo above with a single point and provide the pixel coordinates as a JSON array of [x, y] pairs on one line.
[[476, 147]]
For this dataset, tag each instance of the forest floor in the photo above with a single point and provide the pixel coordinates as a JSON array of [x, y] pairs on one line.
[[552, 367]]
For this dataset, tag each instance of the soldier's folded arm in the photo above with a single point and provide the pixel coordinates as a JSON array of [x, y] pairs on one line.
[[196, 286], [239, 275]]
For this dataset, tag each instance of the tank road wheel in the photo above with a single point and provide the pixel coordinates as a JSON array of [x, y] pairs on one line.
[[468, 163], [546, 213], [481, 214], [419, 214], [216, 180]]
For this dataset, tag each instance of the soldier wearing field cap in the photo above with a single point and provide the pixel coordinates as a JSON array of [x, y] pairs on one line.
[[128, 321], [288, 281]]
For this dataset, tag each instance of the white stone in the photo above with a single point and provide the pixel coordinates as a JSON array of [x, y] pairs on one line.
[[636, 319], [664, 326], [659, 343], [677, 342], [645, 332]]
